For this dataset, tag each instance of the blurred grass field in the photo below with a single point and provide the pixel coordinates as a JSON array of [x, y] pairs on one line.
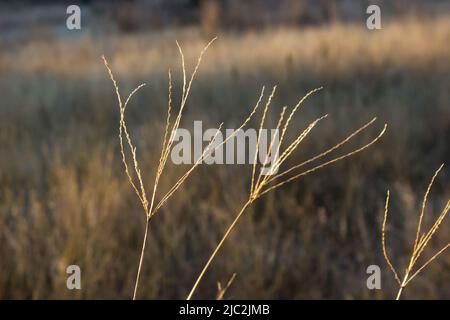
[[64, 198]]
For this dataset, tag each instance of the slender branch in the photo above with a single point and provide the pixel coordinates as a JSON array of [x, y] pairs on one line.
[[141, 260], [383, 240], [217, 249], [424, 203]]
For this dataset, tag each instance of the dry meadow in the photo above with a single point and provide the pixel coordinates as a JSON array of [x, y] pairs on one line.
[[64, 198]]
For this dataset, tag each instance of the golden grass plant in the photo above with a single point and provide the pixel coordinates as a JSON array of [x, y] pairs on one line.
[[421, 241], [263, 183], [136, 181]]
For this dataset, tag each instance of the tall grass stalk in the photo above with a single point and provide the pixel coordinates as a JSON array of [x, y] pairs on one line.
[[136, 181]]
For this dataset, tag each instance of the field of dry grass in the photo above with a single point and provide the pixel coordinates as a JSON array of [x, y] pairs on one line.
[[64, 198]]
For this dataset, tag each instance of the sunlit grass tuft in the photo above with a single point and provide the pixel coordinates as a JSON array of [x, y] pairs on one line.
[[420, 243]]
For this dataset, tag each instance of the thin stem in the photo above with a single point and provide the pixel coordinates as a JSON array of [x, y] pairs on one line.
[[221, 290], [383, 240], [141, 259], [216, 250], [400, 290], [399, 293]]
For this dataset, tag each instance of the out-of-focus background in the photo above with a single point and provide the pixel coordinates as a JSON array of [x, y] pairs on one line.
[[64, 198]]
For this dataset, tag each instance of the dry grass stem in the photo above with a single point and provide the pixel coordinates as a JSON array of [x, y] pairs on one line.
[[420, 242], [222, 290]]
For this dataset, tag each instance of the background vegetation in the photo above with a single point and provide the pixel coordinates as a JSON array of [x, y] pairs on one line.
[[64, 198]]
